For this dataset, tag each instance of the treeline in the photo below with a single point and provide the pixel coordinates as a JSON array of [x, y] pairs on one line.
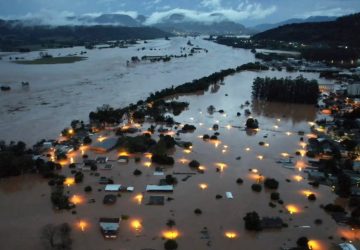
[[330, 54], [339, 32], [157, 106], [15, 35], [298, 90]]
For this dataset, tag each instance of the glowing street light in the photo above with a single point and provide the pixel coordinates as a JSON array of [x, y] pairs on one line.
[[231, 235], [82, 225], [171, 234], [139, 198], [203, 186]]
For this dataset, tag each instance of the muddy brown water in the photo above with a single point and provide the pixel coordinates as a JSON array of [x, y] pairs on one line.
[[25, 206]]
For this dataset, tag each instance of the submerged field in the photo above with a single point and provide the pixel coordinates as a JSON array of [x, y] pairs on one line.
[[279, 126], [53, 60]]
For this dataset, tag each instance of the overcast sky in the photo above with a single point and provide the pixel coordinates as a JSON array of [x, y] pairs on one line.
[[247, 12]]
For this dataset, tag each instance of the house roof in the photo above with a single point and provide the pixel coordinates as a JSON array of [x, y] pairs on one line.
[[156, 188], [347, 246], [109, 224], [112, 187]]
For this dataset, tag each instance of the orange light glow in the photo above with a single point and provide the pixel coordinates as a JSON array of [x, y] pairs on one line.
[[136, 224], [72, 160], [71, 131], [148, 155], [231, 235], [169, 133], [76, 199], [183, 161], [171, 234], [101, 138], [82, 225], [298, 178], [202, 168], [147, 164], [292, 209], [311, 136], [203, 186], [139, 198], [302, 144], [187, 151], [300, 165], [69, 181], [326, 111], [307, 192], [221, 166], [315, 245], [302, 152], [254, 170], [285, 154], [123, 153], [215, 142], [260, 157]]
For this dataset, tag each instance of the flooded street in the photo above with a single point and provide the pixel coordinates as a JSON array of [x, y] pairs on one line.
[[279, 126], [62, 92]]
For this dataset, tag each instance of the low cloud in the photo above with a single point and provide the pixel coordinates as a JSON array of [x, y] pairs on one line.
[[328, 12], [244, 11]]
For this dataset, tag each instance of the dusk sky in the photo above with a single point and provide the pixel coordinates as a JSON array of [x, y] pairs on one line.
[[247, 12]]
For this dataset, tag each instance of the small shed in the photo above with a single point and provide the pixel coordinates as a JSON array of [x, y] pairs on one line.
[[113, 187]]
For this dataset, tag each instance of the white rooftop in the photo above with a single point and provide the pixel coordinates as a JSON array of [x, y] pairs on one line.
[[112, 187], [165, 188]]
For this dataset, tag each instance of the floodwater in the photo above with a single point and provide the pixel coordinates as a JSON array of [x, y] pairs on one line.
[[26, 207], [63, 92]]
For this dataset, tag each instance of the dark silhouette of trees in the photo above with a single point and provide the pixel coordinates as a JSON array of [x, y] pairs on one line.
[[298, 90], [252, 221]]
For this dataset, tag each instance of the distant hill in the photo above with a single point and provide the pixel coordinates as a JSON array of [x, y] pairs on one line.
[[313, 19], [342, 31], [180, 23], [16, 34]]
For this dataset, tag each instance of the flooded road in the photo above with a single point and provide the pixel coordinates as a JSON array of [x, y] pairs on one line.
[[62, 92]]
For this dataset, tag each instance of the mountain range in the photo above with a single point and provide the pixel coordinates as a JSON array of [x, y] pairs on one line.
[[342, 31], [180, 23], [312, 19]]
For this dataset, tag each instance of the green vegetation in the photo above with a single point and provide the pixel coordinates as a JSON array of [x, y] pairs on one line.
[[298, 90], [256, 187], [170, 245], [162, 159], [141, 143], [252, 221], [56, 236], [338, 32], [59, 199], [19, 37], [15, 159], [271, 183], [53, 60]]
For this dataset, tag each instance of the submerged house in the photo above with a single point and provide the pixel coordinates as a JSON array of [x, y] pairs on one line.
[[271, 223], [157, 188], [109, 227], [105, 146]]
